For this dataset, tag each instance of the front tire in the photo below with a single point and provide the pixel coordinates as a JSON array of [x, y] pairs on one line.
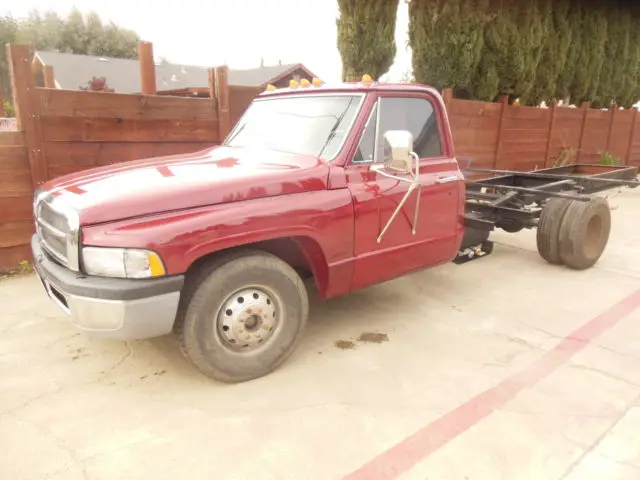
[[244, 317]]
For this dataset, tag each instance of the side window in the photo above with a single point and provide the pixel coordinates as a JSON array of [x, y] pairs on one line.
[[416, 115], [367, 145]]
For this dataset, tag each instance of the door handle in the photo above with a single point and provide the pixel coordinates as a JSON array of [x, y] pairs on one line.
[[449, 179]]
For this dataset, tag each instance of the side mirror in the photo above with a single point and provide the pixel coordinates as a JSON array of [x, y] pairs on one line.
[[397, 150]]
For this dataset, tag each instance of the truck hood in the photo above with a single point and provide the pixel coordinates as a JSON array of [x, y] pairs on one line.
[[212, 176]]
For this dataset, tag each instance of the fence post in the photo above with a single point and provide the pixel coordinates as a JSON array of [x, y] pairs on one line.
[[221, 75], [552, 122], [585, 107], [212, 89], [24, 101], [49, 77], [147, 68], [612, 117], [447, 96], [504, 100], [631, 136]]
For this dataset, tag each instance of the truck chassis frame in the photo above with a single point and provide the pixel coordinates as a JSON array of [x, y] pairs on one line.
[[513, 200]]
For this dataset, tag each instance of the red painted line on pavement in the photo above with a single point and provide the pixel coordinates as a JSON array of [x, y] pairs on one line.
[[418, 446]]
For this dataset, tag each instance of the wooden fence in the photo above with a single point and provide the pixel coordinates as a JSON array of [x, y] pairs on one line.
[[502, 136], [16, 194], [65, 131]]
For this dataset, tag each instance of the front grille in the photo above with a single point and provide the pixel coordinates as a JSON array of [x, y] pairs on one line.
[[55, 231]]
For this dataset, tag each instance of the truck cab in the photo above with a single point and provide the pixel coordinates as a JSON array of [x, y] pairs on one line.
[[350, 185]]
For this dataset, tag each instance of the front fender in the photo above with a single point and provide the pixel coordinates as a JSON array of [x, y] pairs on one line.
[[323, 218]]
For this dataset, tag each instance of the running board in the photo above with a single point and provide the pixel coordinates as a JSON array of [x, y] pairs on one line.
[[473, 253]]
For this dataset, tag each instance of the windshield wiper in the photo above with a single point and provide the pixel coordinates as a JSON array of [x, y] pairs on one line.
[[334, 129]]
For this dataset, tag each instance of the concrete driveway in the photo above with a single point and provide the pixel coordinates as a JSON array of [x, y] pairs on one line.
[[504, 368]]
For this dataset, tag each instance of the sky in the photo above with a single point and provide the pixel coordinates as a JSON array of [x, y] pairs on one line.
[[233, 32]]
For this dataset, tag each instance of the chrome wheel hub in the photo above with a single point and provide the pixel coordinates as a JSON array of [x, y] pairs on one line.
[[247, 319]]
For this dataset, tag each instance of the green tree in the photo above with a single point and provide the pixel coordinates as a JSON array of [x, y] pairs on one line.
[[366, 36], [573, 25], [629, 92], [593, 39], [554, 53], [74, 34], [447, 40], [8, 32]]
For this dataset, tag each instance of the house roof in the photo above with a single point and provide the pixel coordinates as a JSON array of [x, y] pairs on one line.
[[123, 75]]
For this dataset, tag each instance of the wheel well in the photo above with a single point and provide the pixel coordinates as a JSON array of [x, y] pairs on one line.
[[304, 254]]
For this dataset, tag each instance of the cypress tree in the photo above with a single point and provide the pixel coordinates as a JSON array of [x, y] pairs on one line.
[[590, 58], [629, 90], [554, 54], [616, 58], [366, 36], [515, 35], [447, 40], [535, 27], [574, 26]]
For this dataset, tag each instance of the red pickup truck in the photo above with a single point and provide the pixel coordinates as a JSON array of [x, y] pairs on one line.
[[349, 185]]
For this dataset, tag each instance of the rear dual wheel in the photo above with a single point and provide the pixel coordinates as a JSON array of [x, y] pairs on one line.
[[574, 233]]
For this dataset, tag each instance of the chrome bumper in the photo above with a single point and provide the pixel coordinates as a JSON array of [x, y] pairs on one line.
[[110, 308]]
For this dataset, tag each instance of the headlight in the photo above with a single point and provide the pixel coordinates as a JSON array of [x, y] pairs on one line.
[[122, 262]]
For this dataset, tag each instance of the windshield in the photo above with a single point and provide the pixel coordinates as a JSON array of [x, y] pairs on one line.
[[309, 125]]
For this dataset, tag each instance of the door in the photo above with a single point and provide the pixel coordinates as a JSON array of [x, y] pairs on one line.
[[439, 220]]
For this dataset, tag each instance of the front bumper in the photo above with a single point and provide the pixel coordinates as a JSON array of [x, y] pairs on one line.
[[115, 308]]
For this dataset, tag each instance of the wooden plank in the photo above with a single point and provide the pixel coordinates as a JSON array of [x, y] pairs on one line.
[[90, 154], [538, 148], [15, 183], [11, 257], [12, 139], [221, 75], [634, 124], [13, 234], [570, 114], [473, 107], [239, 100], [552, 121], [16, 208], [65, 129], [525, 124], [14, 158], [524, 135], [22, 82], [49, 77], [447, 96], [147, 68], [57, 171], [585, 110], [466, 121], [497, 160], [71, 103], [528, 113]]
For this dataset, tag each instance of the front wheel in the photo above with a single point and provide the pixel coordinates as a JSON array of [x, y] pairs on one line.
[[244, 316]]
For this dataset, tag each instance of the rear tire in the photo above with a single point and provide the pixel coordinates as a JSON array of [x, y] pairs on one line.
[[548, 234], [244, 316], [584, 233]]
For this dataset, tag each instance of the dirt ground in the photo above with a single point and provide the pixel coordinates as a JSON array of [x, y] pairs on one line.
[[503, 368]]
